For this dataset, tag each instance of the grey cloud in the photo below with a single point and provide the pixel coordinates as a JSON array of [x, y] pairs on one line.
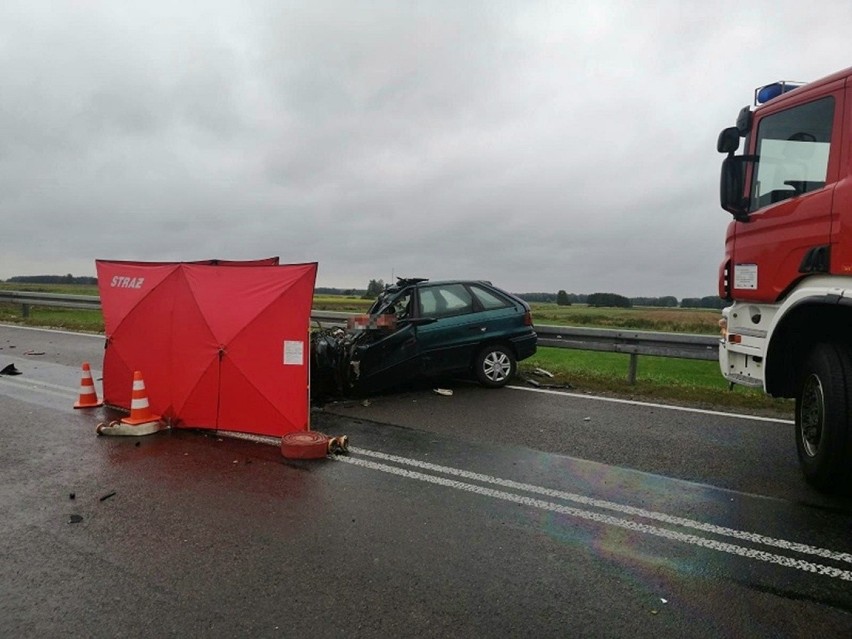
[[541, 145]]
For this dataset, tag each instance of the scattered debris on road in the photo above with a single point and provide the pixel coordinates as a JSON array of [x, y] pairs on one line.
[[446, 392], [10, 370], [338, 445], [75, 519], [557, 386], [107, 496]]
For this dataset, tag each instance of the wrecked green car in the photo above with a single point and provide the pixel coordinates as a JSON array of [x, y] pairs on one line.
[[422, 329]]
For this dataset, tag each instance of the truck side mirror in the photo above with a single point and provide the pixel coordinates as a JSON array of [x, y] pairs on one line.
[[732, 185], [729, 140]]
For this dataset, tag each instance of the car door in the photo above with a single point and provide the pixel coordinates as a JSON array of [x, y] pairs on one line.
[[389, 355], [497, 315], [448, 343]]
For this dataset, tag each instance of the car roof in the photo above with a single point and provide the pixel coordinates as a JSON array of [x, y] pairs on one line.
[[421, 282], [417, 281]]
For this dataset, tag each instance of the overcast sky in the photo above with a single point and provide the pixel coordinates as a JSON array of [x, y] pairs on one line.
[[539, 145]]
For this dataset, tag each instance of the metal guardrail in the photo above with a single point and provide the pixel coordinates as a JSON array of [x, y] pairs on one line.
[[632, 343], [26, 300]]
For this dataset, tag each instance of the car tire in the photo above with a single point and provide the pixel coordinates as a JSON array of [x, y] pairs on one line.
[[495, 365], [823, 403]]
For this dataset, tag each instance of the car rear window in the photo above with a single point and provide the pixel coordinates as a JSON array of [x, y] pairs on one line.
[[488, 299]]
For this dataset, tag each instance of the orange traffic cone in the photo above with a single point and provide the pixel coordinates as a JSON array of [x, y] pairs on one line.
[[88, 395], [140, 412]]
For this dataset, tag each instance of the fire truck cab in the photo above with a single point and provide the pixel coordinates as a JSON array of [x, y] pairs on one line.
[[788, 262]]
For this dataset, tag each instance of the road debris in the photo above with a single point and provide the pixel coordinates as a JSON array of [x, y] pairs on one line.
[[557, 386], [34, 353], [10, 370], [107, 496], [564, 386], [366, 403], [587, 419], [338, 445], [446, 392], [543, 373], [75, 519]]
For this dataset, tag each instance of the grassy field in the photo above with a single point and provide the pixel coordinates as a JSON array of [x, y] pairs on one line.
[[64, 289], [670, 320], [659, 379]]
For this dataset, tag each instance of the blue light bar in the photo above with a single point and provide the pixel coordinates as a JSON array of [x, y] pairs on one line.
[[764, 94]]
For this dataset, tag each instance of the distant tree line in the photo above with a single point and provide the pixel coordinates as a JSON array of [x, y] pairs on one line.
[[711, 301], [563, 298], [608, 299], [52, 279], [669, 301], [375, 287], [348, 292]]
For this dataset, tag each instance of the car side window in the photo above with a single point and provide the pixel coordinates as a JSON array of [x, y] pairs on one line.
[[489, 300], [444, 301]]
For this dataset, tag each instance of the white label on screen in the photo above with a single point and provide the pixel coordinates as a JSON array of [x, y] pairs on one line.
[[294, 353]]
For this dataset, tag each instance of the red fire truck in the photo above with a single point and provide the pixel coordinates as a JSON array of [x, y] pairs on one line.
[[788, 262]]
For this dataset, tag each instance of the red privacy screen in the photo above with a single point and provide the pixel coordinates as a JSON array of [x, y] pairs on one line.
[[221, 344]]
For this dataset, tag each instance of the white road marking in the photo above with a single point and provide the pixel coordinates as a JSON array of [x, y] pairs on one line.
[[700, 411], [608, 505], [733, 549], [40, 387], [53, 330], [723, 531]]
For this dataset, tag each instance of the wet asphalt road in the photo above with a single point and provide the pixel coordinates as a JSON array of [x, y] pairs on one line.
[[488, 513]]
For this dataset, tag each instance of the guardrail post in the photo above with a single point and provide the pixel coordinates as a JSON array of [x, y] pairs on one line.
[[631, 370], [25, 310]]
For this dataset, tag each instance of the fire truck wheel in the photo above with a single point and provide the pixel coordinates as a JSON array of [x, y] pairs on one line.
[[823, 413], [495, 365]]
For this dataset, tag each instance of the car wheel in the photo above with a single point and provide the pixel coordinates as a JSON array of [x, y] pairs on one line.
[[822, 417], [495, 365]]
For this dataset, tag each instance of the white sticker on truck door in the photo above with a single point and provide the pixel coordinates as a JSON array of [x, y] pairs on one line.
[[745, 276]]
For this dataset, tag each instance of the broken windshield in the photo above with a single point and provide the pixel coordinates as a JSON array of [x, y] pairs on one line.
[[393, 302]]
